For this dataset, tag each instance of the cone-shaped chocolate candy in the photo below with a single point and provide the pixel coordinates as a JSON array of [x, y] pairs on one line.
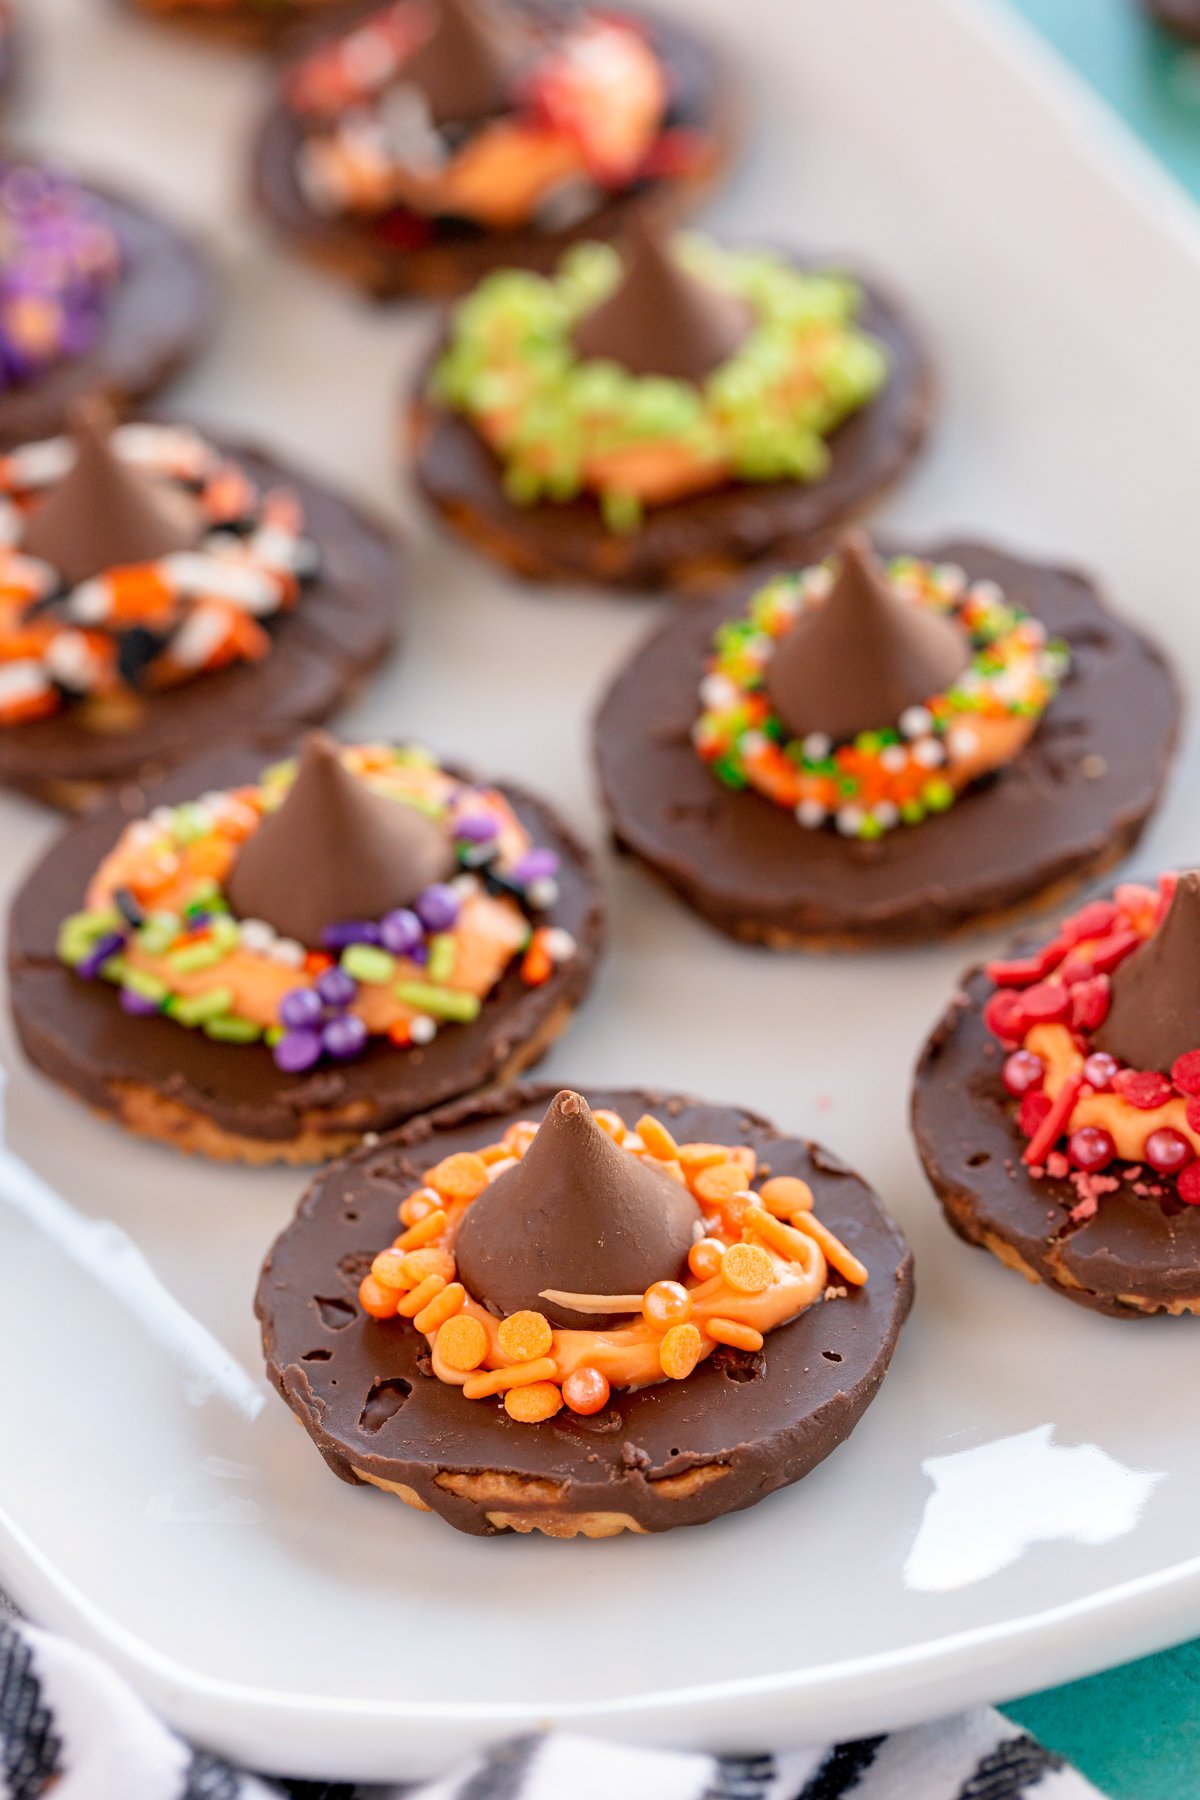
[[660, 319], [105, 513], [857, 660], [578, 1215], [1155, 1012], [471, 65], [335, 851]]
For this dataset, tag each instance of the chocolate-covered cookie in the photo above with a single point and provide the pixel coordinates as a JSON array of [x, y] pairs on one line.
[[1056, 1104], [138, 984], [1180, 16], [105, 297], [411, 148], [409, 1374], [165, 593], [1031, 771], [254, 24], [720, 404]]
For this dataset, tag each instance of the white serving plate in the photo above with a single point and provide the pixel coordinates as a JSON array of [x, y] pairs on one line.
[[1019, 1505]]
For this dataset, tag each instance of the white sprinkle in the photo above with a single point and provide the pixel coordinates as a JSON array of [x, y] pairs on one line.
[[542, 893], [915, 721], [717, 692], [811, 814], [885, 813], [422, 1029], [987, 593], [560, 945], [288, 952], [163, 818], [950, 578], [256, 934], [963, 741], [816, 746], [849, 820], [23, 680], [893, 758], [929, 753], [223, 578], [90, 602]]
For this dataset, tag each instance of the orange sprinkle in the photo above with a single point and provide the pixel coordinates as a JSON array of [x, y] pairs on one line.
[[746, 1158], [836, 1253], [494, 1153], [666, 1303], [400, 1034], [748, 1268], [784, 1195], [498, 1381], [525, 1336], [729, 1331], [695, 1157], [460, 1177], [704, 1258], [719, 1182], [519, 1136], [537, 964], [586, 1390], [461, 1343], [656, 1139], [442, 1307], [379, 1302], [388, 1270], [431, 1261], [423, 1232], [785, 1238], [533, 1404], [420, 1297], [611, 1122], [316, 962], [680, 1351], [418, 1206]]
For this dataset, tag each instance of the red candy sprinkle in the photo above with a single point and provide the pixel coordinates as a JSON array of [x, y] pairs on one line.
[[1167, 1151], [1023, 1071], [1143, 1088], [1091, 1148], [1019, 971], [1099, 1069], [1051, 1127], [1185, 1072], [1091, 921], [1033, 1110], [1048, 1003], [1104, 956], [1188, 1185], [1089, 1003], [1005, 1017], [1193, 1114]]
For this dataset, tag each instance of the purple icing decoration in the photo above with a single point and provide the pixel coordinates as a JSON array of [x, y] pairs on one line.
[[344, 1037], [477, 828], [335, 987], [535, 865], [297, 1051], [401, 931], [137, 1004], [94, 961], [352, 931], [300, 1009]]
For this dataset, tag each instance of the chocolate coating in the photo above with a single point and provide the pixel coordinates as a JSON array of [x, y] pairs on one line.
[[460, 253], [676, 1453], [577, 1214], [334, 851], [660, 319], [75, 1031], [1180, 16], [106, 513], [1071, 803], [1154, 1017], [693, 542], [158, 317], [1137, 1255], [864, 655], [470, 65], [341, 626]]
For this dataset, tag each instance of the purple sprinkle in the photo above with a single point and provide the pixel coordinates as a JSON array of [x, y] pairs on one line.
[[401, 931], [297, 1051], [438, 907], [344, 1037], [335, 987], [300, 1008], [535, 865], [352, 931], [477, 828], [419, 954], [137, 1004], [94, 961]]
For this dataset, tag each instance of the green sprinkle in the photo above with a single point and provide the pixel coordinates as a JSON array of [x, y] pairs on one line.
[[158, 932], [273, 1033], [196, 1009], [148, 986], [227, 1028], [366, 963], [190, 823], [937, 794], [82, 930], [622, 512], [205, 955], [224, 931], [870, 827], [443, 954], [115, 969], [439, 1002]]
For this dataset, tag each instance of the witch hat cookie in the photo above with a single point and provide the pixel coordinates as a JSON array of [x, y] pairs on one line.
[[335, 849], [575, 1216], [1154, 1015]]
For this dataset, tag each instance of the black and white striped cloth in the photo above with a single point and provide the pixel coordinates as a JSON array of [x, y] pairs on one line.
[[72, 1729]]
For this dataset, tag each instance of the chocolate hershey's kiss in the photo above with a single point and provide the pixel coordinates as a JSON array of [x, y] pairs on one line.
[[577, 1214], [660, 319], [857, 659], [106, 513], [1154, 1016], [471, 64], [335, 850]]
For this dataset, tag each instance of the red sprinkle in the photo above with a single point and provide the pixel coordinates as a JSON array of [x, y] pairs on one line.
[[1033, 1110], [1020, 971], [1048, 1003], [1093, 921], [1089, 1003], [1099, 1069], [1185, 1072], [1091, 1148], [1143, 1088], [1057, 1165], [1167, 1151], [1023, 1071], [1005, 1017], [1050, 1129], [1104, 956], [1188, 1185]]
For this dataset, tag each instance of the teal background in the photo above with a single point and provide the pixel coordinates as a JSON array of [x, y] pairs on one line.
[[1134, 1731]]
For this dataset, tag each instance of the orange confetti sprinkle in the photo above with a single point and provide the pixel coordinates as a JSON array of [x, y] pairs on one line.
[[680, 1351], [525, 1336], [531, 1405], [461, 1343]]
